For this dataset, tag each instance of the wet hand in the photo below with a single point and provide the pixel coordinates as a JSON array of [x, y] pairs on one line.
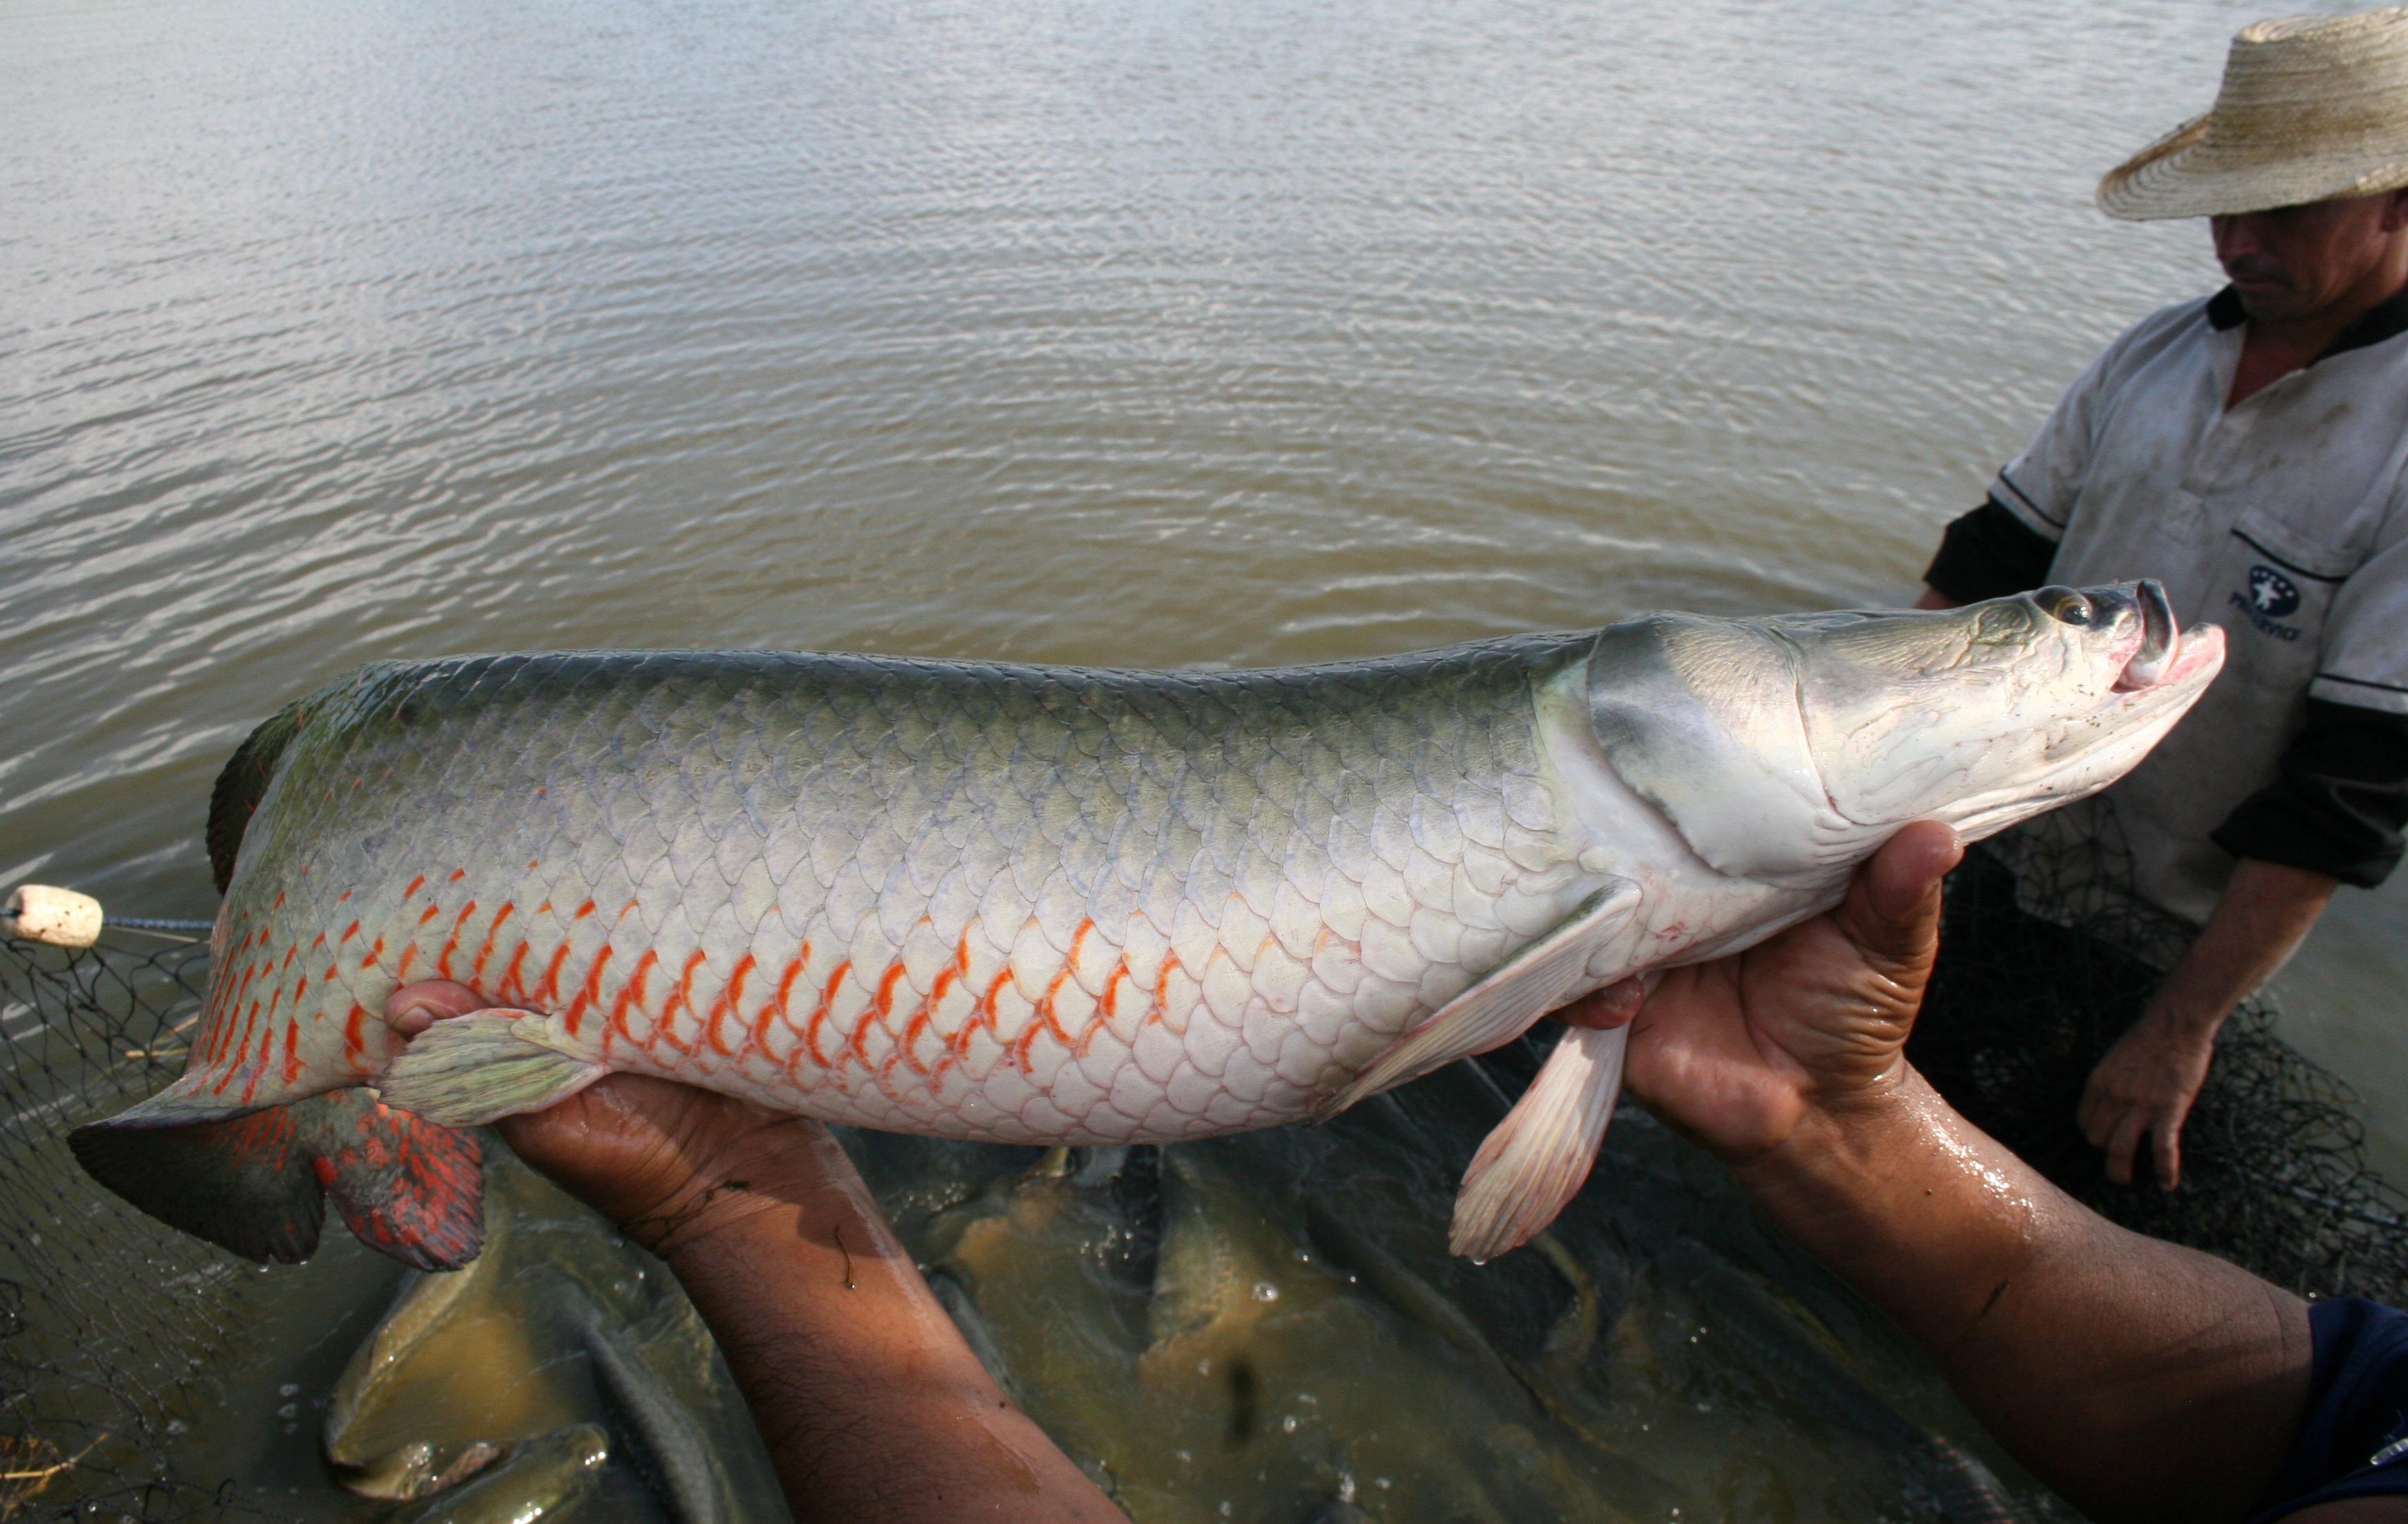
[[664, 1162], [1738, 1051], [2145, 1087]]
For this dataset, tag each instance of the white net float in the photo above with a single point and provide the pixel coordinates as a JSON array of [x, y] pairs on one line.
[[60, 917]]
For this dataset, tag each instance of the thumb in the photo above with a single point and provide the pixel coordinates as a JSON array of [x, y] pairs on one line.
[[1892, 910]]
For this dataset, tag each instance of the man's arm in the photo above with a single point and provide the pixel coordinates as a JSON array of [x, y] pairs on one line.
[[872, 1406], [2140, 1380], [2147, 1080], [1986, 554]]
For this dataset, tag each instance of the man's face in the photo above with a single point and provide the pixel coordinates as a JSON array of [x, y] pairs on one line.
[[2294, 262]]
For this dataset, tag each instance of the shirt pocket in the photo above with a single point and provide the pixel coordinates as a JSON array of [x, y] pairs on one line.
[[2275, 588]]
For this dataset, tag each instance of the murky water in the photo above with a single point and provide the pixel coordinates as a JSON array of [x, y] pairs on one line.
[[1154, 334]]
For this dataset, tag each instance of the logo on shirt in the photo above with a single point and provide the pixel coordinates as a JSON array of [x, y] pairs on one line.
[[2270, 592], [2270, 595]]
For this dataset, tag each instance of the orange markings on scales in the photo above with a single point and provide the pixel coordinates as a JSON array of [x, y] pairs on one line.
[[1045, 1019], [729, 993], [548, 992], [777, 1005], [589, 998], [631, 993], [682, 995], [509, 988], [881, 1000], [983, 1013], [827, 998], [484, 953], [451, 943], [1105, 1006], [957, 972]]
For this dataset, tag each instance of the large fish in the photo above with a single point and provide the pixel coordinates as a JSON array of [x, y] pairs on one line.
[[1033, 904]]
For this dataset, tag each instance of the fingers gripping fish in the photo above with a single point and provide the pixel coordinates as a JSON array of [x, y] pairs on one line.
[[1057, 905]]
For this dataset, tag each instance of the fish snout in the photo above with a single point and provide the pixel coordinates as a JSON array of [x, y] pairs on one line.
[[2138, 613], [2160, 636]]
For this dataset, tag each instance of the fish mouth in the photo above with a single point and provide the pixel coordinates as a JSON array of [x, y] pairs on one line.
[[2161, 641]]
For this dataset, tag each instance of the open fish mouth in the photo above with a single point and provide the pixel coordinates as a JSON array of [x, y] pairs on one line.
[[2161, 640], [2141, 610]]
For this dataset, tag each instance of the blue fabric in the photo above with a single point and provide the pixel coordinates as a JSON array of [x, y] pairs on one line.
[[2353, 1439]]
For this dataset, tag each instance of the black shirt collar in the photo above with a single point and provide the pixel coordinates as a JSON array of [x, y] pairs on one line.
[[2385, 320]]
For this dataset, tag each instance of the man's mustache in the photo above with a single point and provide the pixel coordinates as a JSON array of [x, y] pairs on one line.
[[2257, 269]]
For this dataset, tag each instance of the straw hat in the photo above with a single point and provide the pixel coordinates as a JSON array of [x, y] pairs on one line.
[[2312, 107]]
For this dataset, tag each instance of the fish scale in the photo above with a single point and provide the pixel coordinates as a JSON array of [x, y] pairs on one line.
[[1058, 905], [1147, 855]]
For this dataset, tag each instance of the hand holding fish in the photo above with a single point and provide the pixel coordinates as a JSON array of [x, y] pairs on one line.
[[1735, 1053], [664, 1162], [2052, 1324], [828, 1326]]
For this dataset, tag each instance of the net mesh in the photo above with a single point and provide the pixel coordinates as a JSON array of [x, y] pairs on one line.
[[109, 1326], [2046, 957], [105, 1330]]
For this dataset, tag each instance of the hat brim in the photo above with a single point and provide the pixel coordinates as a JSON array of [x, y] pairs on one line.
[[2183, 175]]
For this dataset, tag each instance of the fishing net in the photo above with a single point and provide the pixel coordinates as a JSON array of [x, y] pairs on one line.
[[106, 1335], [2046, 957]]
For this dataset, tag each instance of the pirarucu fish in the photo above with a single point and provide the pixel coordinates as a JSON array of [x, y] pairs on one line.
[[1061, 905]]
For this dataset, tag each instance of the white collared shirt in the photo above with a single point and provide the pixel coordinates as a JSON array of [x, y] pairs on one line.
[[2283, 519]]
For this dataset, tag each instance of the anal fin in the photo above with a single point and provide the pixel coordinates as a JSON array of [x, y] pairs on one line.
[[474, 1069], [1504, 1002], [257, 1184], [1538, 1158]]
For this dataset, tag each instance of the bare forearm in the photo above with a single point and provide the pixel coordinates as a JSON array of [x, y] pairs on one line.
[[2266, 910], [871, 1403], [2078, 1344]]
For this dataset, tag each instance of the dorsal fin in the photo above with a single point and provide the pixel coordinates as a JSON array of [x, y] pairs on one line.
[[241, 784]]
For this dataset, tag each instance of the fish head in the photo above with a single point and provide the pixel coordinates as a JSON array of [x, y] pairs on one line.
[[1787, 748]]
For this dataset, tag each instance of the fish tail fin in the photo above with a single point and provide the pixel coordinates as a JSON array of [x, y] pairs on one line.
[[488, 1064], [256, 1183], [1538, 1157]]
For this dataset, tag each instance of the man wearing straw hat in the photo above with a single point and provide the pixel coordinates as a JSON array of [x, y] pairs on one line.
[[2250, 450]]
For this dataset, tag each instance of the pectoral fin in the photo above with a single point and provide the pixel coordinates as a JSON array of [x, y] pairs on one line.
[[1539, 1156], [486, 1065], [1501, 1005]]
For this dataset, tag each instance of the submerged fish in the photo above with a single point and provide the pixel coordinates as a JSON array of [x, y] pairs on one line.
[[559, 1322], [1032, 904], [546, 1478]]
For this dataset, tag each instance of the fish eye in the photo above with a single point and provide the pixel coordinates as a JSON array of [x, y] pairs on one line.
[[2065, 605]]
